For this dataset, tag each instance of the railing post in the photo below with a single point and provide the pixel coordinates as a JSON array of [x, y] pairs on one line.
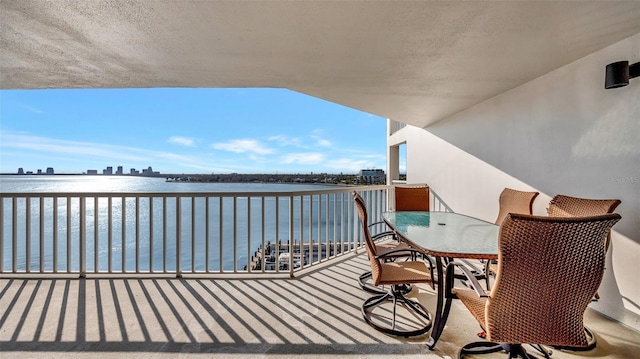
[[178, 239], [248, 234], [41, 250], [123, 240], [137, 252], [235, 234], [150, 234], [165, 218], [206, 234], [263, 260], [221, 232], [193, 234], [277, 240], [68, 234], [55, 234], [96, 263], [82, 237], [110, 235], [291, 237], [302, 247], [28, 235], [14, 237]]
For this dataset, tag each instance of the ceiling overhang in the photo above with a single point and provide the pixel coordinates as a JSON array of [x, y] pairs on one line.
[[415, 62]]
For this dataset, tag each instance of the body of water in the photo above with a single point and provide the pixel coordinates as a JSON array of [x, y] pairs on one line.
[[146, 231], [99, 183]]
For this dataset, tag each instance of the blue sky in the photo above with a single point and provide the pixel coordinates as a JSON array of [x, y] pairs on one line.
[[186, 131]]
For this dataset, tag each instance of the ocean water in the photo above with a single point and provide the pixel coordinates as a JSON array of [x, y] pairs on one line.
[[140, 228]]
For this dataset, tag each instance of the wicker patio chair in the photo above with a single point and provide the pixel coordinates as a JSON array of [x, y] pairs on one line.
[[411, 198], [567, 206], [407, 198], [396, 275], [548, 270], [514, 201], [510, 201], [384, 247]]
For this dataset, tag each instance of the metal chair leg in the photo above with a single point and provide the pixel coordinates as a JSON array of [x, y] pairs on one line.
[[396, 296]]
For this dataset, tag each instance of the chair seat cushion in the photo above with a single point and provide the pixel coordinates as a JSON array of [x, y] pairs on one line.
[[474, 303], [404, 272], [385, 247]]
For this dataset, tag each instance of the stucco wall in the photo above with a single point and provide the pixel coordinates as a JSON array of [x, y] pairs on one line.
[[561, 133]]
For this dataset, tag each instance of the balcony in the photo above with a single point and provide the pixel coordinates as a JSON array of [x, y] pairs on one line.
[[144, 301]]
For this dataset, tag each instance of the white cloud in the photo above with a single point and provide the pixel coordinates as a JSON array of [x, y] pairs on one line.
[[324, 143], [317, 135], [56, 146], [310, 158], [32, 109], [242, 146], [97, 153], [284, 140], [182, 141]]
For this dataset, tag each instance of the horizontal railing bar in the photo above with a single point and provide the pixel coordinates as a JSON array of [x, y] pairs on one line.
[[191, 194]]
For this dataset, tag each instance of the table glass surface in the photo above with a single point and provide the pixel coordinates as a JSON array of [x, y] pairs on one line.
[[446, 233]]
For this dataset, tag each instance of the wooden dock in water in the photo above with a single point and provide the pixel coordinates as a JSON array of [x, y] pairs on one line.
[[303, 253]]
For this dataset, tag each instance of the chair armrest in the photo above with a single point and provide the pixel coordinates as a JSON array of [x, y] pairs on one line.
[[377, 236], [383, 233], [451, 267], [397, 250], [377, 223]]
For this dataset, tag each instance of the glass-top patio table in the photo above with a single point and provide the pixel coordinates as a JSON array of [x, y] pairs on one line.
[[445, 235]]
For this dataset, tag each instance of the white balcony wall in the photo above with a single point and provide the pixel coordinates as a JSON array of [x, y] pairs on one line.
[[560, 133]]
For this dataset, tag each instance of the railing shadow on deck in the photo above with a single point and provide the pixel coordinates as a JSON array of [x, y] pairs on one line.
[[317, 312]]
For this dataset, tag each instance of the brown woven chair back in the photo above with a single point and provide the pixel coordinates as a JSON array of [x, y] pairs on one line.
[[514, 201], [566, 206], [548, 271], [371, 247], [412, 198]]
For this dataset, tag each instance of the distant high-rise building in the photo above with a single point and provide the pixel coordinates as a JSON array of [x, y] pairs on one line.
[[371, 176], [49, 170], [39, 171], [149, 172], [119, 170], [20, 171], [107, 171], [92, 172], [134, 172]]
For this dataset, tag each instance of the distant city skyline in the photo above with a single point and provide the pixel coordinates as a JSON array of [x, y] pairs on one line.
[[364, 177], [120, 170], [108, 170], [186, 131]]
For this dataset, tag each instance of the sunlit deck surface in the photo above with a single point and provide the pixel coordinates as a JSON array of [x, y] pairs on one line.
[[316, 314]]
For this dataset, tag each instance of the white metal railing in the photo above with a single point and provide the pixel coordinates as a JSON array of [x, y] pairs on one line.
[[179, 233]]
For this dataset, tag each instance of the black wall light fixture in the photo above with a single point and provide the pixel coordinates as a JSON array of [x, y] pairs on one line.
[[619, 73]]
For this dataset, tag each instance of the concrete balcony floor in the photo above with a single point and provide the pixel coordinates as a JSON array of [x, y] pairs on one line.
[[315, 315]]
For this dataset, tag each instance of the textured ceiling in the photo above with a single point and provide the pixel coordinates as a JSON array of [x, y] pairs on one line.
[[412, 61]]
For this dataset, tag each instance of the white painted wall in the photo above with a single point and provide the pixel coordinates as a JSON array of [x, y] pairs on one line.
[[561, 133]]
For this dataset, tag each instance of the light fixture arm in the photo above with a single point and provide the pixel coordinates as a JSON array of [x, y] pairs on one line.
[[634, 70]]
